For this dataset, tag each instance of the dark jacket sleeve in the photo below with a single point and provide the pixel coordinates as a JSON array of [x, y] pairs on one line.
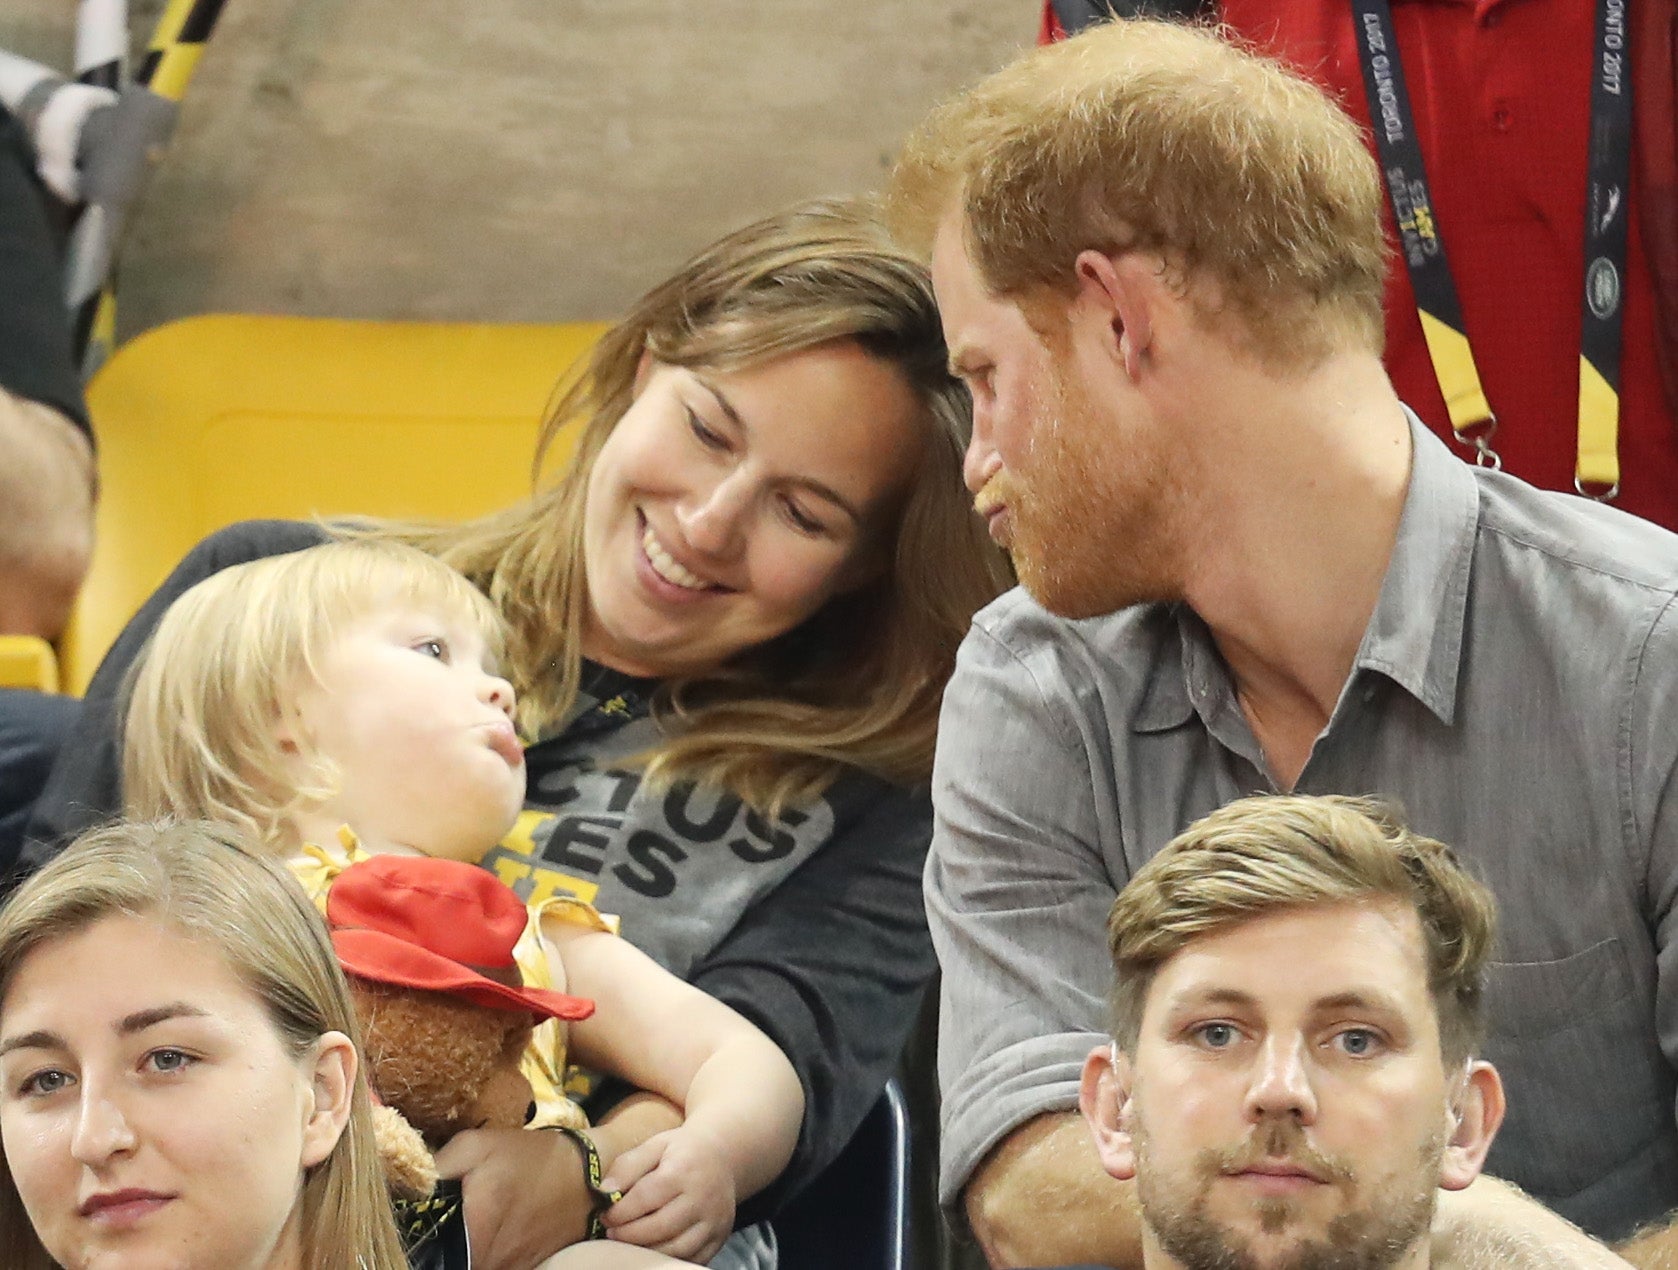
[[36, 358], [832, 966], [85, 786]]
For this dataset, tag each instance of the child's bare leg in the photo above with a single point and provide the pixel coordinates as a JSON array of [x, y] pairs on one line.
[[608, 1254]]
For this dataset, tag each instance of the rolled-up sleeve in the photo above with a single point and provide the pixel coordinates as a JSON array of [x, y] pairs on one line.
[[1017, 897]]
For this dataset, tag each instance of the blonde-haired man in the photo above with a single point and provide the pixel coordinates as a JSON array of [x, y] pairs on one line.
[[1296, 1011], [1248, 567]]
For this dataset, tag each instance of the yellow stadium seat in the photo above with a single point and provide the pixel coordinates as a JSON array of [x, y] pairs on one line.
[[27, 661], [212, 420]]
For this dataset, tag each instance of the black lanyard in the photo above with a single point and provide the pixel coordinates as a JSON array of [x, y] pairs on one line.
[[1597, 467]]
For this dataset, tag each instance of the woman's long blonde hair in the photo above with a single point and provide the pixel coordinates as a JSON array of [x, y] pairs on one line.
[[221, 892], [860, 682]]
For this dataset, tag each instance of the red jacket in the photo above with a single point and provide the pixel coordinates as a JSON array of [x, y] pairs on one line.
[[1500, 91]]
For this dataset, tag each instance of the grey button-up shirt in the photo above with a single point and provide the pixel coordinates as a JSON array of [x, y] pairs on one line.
[[1516, 693]]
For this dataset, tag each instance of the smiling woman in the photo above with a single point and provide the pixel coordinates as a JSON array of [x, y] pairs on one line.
[[180, 1077], [708, 530], [770, 443]]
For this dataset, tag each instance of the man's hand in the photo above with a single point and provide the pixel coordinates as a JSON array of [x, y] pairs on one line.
[[678, 1196], [1041, 1198], [1494, 1226], [1654, 1247], [524, 1194]]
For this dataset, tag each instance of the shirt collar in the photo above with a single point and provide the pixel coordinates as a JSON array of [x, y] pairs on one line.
[[1414, 636], [1165, 701]]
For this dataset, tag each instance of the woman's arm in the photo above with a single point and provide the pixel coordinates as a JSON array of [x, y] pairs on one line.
[[831, 966], [86, 783]]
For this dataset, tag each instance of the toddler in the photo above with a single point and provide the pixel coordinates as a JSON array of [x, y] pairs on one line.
[[344, 701]]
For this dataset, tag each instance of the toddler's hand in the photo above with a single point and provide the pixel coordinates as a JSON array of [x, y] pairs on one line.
[[678, 1196]]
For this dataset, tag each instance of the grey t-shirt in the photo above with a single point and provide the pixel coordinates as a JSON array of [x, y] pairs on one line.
[[1516, 692], [679, 866]]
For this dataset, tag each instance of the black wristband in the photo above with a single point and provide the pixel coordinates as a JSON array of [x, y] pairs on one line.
[[594, 1174]]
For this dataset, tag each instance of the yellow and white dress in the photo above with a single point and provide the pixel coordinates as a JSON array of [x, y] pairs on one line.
[[544, 1064]]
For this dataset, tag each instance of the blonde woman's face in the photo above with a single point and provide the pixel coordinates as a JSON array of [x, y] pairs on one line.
[[727, 507], [151, 1116]]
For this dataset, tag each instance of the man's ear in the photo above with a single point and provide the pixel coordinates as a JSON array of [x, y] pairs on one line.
[[1475, 1115], [331, 1083], [1104, 1095], [1121, 293]]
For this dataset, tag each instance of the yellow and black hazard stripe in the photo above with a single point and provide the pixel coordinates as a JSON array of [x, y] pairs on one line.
[[176, 45]]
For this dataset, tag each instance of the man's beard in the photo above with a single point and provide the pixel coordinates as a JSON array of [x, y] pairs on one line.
[[1090, 514], [1374, 1236]]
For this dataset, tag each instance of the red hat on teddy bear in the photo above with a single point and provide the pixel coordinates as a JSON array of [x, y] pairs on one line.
[[439, 926]]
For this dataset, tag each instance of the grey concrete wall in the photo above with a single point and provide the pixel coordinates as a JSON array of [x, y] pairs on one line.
[[515, 160]]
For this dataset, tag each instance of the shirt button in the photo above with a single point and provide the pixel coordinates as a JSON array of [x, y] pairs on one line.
[[1502, 117]]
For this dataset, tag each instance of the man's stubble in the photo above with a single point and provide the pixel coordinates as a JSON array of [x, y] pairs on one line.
[[1094, 509], [1376, 1234]]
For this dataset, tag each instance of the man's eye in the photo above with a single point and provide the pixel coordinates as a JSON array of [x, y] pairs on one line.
[[1216, 1036], [1358, 1042]]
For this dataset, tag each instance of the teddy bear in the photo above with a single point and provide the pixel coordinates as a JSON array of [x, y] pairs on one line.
[[427, 946]]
